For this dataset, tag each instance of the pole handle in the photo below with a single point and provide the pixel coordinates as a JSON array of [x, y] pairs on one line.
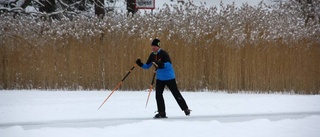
[[155, 64]]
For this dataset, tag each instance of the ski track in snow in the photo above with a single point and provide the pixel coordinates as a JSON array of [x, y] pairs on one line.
[[101, 123]]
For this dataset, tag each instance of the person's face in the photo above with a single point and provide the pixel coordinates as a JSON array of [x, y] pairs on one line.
[[155, 48]]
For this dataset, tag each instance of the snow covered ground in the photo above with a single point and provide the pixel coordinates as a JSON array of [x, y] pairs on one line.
[[76, 114]]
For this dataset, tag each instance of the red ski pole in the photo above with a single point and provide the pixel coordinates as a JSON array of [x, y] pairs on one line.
[[151, 85], [117, 86]]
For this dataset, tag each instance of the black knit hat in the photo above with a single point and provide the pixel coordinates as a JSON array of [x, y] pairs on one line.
[[155, 42]]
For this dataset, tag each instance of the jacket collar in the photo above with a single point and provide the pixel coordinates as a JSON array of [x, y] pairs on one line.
[[157, 51]]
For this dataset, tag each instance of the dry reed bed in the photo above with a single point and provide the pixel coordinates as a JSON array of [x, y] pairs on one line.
[[235, 49]]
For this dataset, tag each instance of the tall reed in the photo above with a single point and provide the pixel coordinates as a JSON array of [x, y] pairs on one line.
[[234, 49]]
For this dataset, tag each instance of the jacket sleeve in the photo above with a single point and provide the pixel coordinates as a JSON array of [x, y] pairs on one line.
[[165, 57], [148, 64]]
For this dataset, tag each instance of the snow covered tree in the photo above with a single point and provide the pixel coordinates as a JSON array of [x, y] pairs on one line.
[[47, 6], [131, 7], [99, 8], [55, 8], [309, 9], [11, 5]]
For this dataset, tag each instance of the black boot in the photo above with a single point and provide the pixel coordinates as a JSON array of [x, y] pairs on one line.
[[160, 115], [187, 112]]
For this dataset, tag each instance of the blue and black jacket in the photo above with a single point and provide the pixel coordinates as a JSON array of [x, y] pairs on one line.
[[164, 73]]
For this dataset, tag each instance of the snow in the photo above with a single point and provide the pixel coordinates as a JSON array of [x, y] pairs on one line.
[[75, 113]]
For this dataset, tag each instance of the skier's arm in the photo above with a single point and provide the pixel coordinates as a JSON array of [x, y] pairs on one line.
[[146, 66], [142, 65]]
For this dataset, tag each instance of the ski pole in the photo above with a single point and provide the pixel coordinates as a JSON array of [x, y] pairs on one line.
[[117, 86], [152, 82]]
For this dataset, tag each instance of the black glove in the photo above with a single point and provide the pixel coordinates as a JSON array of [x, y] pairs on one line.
[[139, 63], [160, 64]]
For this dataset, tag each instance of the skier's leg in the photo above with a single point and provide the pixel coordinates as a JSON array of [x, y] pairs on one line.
[[172, 85], [159, 96]]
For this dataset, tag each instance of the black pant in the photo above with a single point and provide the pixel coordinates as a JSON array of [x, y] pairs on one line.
[[172, 85]]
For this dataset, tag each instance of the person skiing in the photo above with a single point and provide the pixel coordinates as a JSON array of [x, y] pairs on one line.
[[165, 77]]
